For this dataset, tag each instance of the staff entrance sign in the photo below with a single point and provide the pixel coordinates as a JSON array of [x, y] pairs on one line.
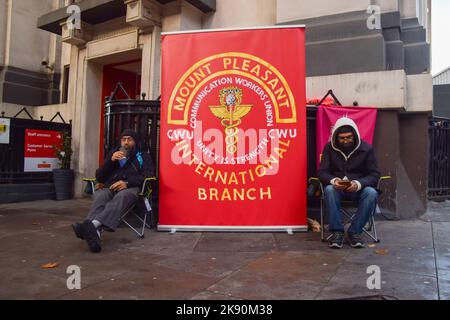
[[233, 130], [39, 150]]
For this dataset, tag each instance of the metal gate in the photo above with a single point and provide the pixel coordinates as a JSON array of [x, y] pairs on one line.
[[140, 115], [439, 159]]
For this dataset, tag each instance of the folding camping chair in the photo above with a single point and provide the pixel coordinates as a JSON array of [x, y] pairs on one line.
[[145, 198], [369, 229]]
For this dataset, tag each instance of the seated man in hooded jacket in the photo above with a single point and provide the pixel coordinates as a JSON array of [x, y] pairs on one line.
[[119, 182], [348, 171]]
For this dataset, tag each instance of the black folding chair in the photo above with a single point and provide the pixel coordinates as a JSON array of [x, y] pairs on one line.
[[369, 229], [145, 200]]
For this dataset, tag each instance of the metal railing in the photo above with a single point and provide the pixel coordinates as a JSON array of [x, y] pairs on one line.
[[439, 159], [12, 154]]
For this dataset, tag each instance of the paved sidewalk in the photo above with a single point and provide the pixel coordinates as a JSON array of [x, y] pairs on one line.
[[414, 257]]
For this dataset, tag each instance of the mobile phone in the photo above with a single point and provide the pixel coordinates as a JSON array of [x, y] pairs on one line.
[[345, 183]]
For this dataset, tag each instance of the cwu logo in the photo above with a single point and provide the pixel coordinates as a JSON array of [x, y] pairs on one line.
[[232, 118]]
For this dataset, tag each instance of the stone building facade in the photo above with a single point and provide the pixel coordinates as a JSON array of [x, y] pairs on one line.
[[387, 66]]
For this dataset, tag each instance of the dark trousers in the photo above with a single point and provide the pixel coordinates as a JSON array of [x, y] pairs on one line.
[[109, 206]]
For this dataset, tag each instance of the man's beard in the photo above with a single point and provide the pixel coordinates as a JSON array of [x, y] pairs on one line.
[[347, 148]]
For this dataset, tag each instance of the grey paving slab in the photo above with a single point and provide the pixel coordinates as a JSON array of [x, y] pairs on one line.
[[19, 284], [444, 289], [45, 205], [156, 282], [298, 241], [409, 233], [443, 262], [167, 244], [281, 275], [94, 267], [348, 283], [256, 286], [213, 264], [394, 258], [441, 232], [37, 247], [291, 265], [34, 221], [209, 295], [437, 212], [236, 242]]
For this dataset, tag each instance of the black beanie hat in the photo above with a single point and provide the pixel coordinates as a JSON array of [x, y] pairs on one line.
[[130, 133]]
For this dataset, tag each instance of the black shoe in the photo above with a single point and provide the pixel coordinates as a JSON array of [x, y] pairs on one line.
[[355, 240], [336, 240], [89, 233], [77, 230]]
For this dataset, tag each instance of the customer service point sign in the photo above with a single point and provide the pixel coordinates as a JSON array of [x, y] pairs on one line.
[[233, 130]]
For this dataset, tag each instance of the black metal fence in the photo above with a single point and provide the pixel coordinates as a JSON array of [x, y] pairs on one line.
[[12, 154], [439, 159], [311, 116]]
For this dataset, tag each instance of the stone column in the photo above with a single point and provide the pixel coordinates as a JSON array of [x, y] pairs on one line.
[[85, 102], [155, 78], [146, 68], [146, 15]]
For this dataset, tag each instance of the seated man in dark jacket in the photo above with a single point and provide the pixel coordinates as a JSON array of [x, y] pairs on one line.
[[349, 171], [119, 180]]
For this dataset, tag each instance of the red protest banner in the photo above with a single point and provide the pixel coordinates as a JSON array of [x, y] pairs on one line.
[[233, 130], [364, 117]]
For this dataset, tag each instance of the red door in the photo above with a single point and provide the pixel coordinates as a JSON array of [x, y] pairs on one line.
[[127, 74]]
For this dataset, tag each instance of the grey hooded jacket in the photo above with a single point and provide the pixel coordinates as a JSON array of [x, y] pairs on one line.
[[359, 165]]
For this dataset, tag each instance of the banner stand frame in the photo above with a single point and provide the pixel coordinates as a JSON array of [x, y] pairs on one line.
[[330, 93], [183, 228]]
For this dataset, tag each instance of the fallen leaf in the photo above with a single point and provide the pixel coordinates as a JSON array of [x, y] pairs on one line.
[[50, 265], [35, 223], [383, 252], [313, 225], [371, 245]]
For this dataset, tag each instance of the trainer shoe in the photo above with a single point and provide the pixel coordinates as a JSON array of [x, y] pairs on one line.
[[336, 240], [355, 240], [89, 233], [77, 230]]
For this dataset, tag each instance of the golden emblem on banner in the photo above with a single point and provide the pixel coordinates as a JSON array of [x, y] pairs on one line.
[[230, 112]]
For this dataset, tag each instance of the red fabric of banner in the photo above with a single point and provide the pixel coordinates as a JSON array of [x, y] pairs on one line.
[[233, 129], [364, 117]]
